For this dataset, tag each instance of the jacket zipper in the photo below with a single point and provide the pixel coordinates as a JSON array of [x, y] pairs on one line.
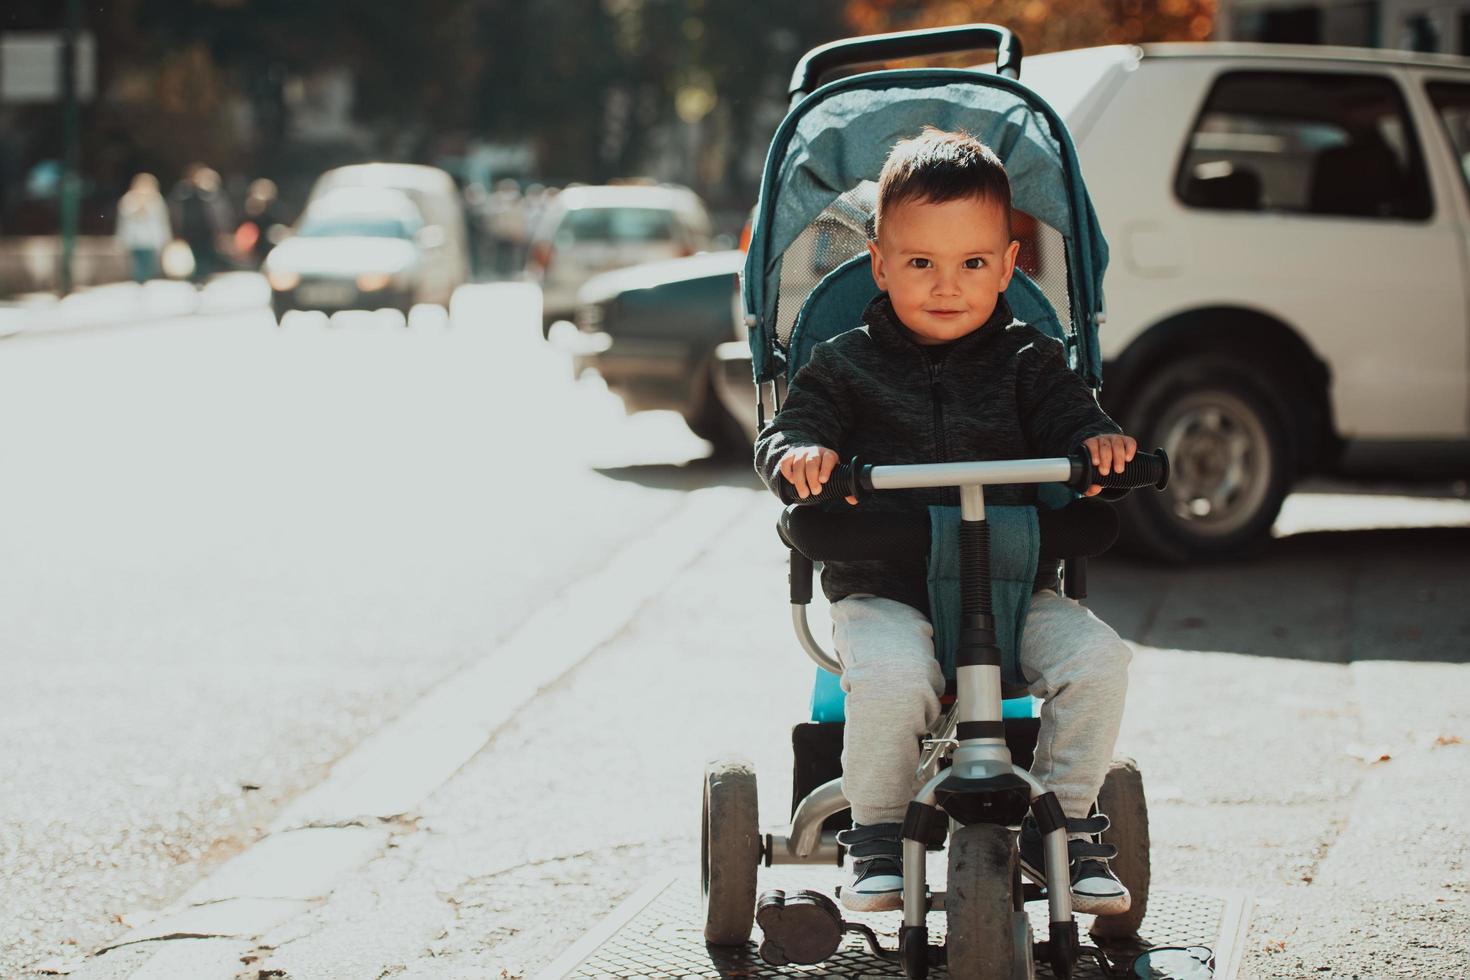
[[934, 391]]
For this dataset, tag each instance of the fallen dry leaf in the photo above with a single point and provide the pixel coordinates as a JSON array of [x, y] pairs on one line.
[[1367, 754], [1448, 740]]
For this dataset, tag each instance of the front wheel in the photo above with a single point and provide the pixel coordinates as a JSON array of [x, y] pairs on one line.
[[1230, 460], [730, 851], [988, 935]]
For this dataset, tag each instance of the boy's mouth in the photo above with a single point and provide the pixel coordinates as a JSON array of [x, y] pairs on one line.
[[945, 313]]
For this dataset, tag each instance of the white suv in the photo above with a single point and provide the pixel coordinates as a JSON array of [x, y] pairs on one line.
[[1288, 290]]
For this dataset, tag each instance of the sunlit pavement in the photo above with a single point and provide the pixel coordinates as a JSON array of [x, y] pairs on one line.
[[235, 550]]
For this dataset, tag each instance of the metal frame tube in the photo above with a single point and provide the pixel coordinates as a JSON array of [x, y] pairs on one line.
[[809, 643], [910, 476], [806, 822], [826, 852], [1058, 876]]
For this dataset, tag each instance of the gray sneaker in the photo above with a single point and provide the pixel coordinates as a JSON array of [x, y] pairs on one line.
[[1095, 889], [876, 851]]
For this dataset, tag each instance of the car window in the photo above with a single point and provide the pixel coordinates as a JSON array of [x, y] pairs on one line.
[[1305, 142], [355, 225], [1452, 104], [615, 225]]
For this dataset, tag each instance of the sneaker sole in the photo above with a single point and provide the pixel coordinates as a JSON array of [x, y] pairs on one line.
[[1100, 904], [871, 902], [1089, 904]]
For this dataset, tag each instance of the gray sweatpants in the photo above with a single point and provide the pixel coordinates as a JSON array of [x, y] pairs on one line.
[[1072, 660]]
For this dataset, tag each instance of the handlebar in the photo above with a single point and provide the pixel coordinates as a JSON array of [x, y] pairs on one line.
[[825, 59], [858, 479]]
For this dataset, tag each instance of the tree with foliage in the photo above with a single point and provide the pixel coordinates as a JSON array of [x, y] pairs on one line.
[[1046, 25]]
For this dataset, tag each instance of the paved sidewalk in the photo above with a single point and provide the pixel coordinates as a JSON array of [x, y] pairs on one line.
[[1324, 779], [123, 303]]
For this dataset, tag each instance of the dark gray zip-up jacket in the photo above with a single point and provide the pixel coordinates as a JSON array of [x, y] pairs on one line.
[[1001, 392]]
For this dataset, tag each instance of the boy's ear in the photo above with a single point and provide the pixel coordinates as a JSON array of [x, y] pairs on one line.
[[1009, 264], [877, 256]]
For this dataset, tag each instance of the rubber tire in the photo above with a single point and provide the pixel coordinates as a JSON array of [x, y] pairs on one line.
[[980, 904], [1123, 800], [730, 851], [709, 420], [1148, 528]]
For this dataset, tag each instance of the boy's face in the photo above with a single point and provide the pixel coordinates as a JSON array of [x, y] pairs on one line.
[[943, 265]]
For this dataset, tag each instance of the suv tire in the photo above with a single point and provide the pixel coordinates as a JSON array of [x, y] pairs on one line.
[[712, 422], [1230, 455]]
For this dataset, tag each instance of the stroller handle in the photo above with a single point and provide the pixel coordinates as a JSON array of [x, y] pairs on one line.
[[826, 58], [858, 479]]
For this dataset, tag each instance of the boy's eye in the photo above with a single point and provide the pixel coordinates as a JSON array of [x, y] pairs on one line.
[[975, 263], [920, 263]]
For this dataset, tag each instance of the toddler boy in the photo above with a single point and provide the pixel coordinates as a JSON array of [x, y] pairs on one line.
[[940, 371]]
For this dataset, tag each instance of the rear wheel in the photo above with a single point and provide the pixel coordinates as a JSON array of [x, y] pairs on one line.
[[709, 420], [988, 937], [730, 851], [1230, 461], [1122, 799]]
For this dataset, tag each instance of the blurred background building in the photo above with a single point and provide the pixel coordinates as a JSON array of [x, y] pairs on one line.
[[1413, 25]]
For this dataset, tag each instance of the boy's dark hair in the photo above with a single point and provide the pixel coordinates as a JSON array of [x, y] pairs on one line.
[[938, 166]]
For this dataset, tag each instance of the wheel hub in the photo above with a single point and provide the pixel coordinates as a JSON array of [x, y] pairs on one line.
[[1221, 457]]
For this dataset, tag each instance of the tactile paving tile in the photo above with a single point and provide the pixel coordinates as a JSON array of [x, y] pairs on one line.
[[664, 937]]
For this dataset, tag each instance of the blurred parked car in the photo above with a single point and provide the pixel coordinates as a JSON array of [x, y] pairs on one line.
[[587, 230], [446, 253], [650, 331], [355, 248], [1288, 282]]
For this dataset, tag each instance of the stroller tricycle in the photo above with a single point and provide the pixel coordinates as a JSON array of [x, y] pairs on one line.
[[806, 279]]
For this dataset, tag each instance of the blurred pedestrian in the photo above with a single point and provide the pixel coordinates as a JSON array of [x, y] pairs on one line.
[[143, 227], [262, 225], [506, 217], [203, 219]]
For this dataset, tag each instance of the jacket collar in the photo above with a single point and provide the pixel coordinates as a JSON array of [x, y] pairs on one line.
[[887, 329]]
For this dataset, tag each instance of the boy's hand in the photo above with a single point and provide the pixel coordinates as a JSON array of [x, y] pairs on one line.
[[1109, 453], [807, 468]]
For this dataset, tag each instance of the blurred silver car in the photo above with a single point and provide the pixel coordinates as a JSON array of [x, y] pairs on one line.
[[588, 230], [353, 249], [446, 262]]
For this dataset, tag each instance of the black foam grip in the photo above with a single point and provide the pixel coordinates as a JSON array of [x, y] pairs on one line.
[[839, 486], [1143, 470]]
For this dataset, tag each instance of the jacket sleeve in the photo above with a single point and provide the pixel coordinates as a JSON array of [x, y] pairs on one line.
[[815, 413], [1058, 410]]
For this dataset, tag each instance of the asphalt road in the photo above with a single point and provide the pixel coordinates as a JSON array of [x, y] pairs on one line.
[[234, 552]]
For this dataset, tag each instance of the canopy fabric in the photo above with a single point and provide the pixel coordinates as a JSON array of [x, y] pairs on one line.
[[840, 135]]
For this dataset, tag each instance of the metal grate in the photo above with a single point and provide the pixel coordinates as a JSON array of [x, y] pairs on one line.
[[664, 937]]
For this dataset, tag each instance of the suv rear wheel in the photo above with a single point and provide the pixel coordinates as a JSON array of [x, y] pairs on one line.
[[711, 421], [1230, 461]]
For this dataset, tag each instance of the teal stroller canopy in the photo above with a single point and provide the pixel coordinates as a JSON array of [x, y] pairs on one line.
[[819, 190]]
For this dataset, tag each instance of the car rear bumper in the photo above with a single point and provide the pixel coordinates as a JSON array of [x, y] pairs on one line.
[[292, 299]]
